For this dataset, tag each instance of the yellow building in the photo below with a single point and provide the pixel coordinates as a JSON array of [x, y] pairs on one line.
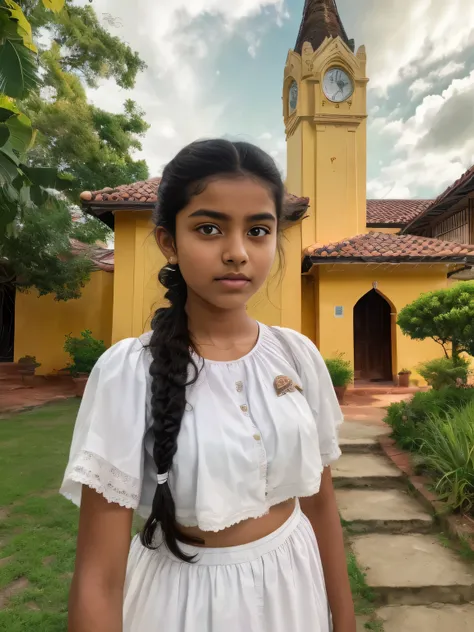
[[351, 264]]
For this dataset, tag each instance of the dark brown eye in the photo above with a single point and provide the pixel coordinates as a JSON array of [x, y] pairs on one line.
[[258, 231], [208, 229]]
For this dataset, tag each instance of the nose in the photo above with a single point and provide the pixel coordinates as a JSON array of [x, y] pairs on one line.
[[235, 251]]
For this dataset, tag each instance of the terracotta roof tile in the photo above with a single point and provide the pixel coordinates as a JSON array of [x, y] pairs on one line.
[[144, 195], [450, 196], [138, 192], [395, 248], [456, 185], [397, 212], [386, 212]]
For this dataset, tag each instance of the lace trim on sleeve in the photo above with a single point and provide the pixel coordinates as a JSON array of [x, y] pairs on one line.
[[116, 486]]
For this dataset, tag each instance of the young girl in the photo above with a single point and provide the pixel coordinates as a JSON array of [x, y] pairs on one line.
[[217, 429]]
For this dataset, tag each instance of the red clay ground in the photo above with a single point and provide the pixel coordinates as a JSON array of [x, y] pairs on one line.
[[15, 396]]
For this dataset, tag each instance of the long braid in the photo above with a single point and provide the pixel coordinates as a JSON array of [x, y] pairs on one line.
[[170, 348], [185, 176]]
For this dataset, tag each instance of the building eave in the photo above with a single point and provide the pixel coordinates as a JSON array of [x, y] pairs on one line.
[[309, 262]]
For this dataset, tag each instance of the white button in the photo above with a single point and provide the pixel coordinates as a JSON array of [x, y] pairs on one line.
[[239, 386], [244, 408], [257, 437]]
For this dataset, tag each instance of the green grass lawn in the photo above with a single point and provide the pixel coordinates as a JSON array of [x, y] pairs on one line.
[[38, 527]]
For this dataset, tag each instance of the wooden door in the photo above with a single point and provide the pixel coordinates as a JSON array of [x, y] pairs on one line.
[[373, 338]]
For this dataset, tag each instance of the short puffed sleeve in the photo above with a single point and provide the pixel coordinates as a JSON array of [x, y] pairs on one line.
[[319, 392], [107, 450]]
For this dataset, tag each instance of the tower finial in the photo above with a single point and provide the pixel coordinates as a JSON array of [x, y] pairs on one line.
[[321, 19]]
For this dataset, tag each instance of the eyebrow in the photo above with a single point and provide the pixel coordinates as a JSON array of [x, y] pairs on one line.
[[218, 215]]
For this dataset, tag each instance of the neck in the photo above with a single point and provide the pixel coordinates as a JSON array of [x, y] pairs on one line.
[[209, 323]]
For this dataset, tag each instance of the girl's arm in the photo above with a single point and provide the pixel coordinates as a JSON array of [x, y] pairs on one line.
[[322, 512], [96, 597]]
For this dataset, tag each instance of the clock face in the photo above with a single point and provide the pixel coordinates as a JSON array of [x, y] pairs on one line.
[[293, 96], [337, 85]]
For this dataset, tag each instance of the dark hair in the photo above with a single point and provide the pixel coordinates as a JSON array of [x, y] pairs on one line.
[[186, 175]]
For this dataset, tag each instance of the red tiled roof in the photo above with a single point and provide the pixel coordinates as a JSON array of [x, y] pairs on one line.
[[379, 212], [379, 247], [396, 212], [455, 186], [143, 192], [144, 195], [454, 194]]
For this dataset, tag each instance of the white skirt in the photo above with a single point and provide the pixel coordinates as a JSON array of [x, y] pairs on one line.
[[275, 584]]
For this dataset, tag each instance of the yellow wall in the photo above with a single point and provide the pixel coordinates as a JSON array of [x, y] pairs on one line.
[[327, 143], [137, 263], [138, 293], [41, 323], [400, 285]]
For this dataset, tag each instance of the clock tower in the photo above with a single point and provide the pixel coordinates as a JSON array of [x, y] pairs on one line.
[[325, 113]]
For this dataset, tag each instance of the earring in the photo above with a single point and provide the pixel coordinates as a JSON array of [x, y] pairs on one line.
[[173, 261]]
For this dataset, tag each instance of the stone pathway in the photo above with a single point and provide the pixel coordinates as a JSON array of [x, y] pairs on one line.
[[421, 585]]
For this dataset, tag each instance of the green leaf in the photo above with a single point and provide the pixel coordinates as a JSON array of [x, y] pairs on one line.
[[22, 134], [54, 5], [23, 27], [46, 177], [5, 114], [4, 134], [18, 69], [7, 103], [38, 195], [8, 169], [7, 150]]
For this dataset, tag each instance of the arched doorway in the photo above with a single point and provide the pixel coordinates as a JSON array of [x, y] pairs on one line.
[[373, 338]]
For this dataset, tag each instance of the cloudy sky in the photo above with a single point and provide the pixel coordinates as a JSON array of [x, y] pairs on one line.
[[215, 67]]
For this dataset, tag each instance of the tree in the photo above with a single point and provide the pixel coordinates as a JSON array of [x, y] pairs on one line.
[[89, 50], [91, 145], [52, 147], [39, 253], [446, 316]]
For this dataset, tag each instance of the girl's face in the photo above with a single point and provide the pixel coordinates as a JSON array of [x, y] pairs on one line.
[[226, 241]]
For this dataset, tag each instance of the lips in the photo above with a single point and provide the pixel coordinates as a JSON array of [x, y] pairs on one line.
[[234, 277], [233, 281]]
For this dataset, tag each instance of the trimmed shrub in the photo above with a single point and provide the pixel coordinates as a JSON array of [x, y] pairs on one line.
[[408, 419], [84, 352], [340, 370], [442, 372]]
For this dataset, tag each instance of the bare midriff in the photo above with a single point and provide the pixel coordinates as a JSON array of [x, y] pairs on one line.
[[246, 531]]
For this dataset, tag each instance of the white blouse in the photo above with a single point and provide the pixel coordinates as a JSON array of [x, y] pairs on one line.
[[247, 441]]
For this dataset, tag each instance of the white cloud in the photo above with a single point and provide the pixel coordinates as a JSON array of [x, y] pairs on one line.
[[265, 136], [424, 84], [176, 90], [167, 130], [252, 49], [403, 36], [433, 147]]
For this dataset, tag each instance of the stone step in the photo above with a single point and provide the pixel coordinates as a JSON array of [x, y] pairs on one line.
[[360, 446], [377, 511], [413, 570], [435, 618], [366, 471], [356, 437]]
